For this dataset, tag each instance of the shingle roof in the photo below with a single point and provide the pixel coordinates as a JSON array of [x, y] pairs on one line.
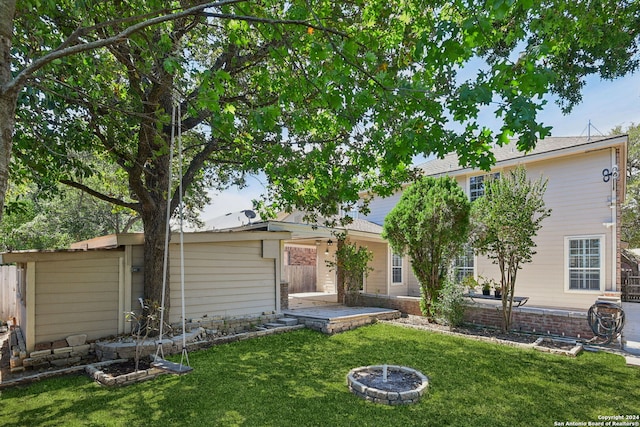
[[364, 226], [509, 152]]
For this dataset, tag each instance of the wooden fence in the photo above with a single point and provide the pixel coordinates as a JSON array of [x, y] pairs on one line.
[[631, 289], [8, 294], [301, 278]]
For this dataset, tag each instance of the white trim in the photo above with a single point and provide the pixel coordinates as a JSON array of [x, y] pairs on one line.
[[603, 265], [403, 261]]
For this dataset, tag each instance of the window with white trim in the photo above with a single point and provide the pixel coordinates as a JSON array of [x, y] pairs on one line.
[[476, 185], [585, 263], [464, 263], [396, 269]]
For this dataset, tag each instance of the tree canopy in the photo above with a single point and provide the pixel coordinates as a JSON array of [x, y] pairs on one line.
[[631, 208], [430, 223], [327, 98]]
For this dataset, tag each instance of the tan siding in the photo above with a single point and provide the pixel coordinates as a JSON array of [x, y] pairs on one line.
[[579, 200], [376, 283], [76, 296], [222, 279], [412, 283], [580, 203], [137, 278], [326, 276]]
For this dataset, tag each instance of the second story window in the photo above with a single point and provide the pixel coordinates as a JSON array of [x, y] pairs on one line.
[[476, 185]]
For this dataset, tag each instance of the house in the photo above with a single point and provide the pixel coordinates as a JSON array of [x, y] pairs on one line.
[[238, 272], [578, 248], [89, 288], [322, 242]]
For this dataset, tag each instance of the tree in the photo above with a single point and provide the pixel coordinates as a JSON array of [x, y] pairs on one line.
[[39, 220], [631, 207], [35, 34], [327, 98], [352, 264], [504, 222], [430, 223]]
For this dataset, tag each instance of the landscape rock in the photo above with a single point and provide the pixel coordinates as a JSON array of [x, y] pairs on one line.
[[76, 340]]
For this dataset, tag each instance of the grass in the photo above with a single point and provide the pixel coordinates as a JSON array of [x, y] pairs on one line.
[[298, 379]]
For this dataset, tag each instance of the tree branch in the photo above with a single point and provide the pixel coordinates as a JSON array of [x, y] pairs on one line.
[[18, 82], [98, 195]]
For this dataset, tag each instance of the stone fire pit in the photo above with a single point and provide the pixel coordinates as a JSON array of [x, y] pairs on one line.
[[402, 386]]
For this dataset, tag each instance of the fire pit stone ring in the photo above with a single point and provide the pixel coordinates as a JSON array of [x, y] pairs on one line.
[[387, 384]]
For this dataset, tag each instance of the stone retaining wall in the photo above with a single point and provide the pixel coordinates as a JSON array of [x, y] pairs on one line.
[[73, 350], [334, 326], [569, 323]]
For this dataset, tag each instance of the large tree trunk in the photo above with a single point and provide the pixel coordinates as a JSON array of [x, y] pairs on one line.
[[8, 99], [154, 241]]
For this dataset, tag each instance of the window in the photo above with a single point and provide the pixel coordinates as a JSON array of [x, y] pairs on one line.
[[351, 211], [476, 185], [396, 269], [584, 263], [464, 264]]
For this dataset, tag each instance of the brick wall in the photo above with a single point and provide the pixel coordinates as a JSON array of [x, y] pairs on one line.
[[524, 319], [407, 305], [300, 256]]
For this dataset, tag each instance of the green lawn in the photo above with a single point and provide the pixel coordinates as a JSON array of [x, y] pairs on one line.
[[298, 379]]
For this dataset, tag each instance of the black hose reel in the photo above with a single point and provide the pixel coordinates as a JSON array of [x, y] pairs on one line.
[[606, 320]]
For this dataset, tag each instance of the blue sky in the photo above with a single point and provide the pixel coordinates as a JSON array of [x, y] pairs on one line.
[[606, 104]]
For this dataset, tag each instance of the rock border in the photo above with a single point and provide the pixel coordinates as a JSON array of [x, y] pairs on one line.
[[109, 380], [385, 397], [573, 352]]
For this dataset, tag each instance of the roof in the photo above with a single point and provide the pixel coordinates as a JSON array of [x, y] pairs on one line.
[[360, 228], [545, 148], [117, 240], [229, 220], [364, 226]]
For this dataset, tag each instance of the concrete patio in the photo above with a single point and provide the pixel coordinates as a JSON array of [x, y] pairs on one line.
[[321, 311]]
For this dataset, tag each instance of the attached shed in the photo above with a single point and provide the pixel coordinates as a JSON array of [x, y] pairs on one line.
[[87, 290]]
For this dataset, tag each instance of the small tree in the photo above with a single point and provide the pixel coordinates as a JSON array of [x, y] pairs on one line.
[[430, 223], [505, 220], [145, 324], [450, 304], [352, 262]]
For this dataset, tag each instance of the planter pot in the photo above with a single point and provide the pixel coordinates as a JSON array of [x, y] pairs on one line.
[[486, 292], [498, 294]]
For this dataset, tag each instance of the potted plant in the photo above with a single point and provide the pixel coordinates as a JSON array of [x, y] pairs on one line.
[[497, 291], [486, 287], [470, 283]]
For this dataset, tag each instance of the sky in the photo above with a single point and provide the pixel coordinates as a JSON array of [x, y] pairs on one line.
[[606, 104]]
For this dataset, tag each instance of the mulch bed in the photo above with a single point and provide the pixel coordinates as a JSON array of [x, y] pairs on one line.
[[423, 323], [126, 367]]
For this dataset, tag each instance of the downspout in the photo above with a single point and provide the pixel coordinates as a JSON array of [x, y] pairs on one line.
[[30, 333]]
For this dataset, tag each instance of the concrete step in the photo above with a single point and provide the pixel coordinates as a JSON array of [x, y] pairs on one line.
[[288, 321], [274, 325]]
